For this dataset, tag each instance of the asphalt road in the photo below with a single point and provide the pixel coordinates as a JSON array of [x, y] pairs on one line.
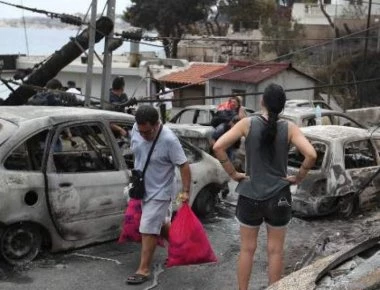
[[107, 265]]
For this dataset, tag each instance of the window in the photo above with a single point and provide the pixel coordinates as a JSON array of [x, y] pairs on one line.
[[191, 153], [204, 117], [295, 158], [28, 155], [343, 121], [186, 117], [359, 154], [84, 148]]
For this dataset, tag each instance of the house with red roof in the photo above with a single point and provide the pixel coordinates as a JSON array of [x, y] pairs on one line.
[[191, 82], [245, 78], [249, 78]]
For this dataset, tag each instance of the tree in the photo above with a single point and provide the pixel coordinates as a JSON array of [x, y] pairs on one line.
[[282, 35], [248, 13], [170, 18]]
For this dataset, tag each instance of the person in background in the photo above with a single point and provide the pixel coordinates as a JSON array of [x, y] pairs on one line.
[[166, 95], [234, 104], [159, 182], [71, 88], [53, 95], [118, 98], [264, 193]]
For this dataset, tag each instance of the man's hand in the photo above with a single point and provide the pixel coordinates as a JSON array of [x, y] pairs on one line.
[[184, 197]]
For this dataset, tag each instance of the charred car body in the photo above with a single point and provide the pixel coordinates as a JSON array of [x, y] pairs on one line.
[[345, 175], [62, 178]]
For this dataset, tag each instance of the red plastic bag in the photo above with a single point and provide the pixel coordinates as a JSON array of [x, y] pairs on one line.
[[132, 217], [188, 242], [131, 225]]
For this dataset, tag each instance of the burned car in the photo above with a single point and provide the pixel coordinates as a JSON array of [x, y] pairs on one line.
[[345, 175], [62, 179], [199, 114], [355, 267], [304, 117]]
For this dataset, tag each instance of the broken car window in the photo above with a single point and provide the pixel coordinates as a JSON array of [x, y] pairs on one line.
[[29, 154], [359, 154], [186, 117], [84, 148], [295, 158]]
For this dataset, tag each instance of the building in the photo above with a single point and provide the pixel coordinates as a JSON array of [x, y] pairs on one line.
[[243, 77], [191, 78]]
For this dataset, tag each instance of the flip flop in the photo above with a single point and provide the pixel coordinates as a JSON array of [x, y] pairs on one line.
[[136, 279]]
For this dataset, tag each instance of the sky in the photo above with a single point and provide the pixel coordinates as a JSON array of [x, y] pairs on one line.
[[57, 6]]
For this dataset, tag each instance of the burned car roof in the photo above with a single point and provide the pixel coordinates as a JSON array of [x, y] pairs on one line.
[[333, 132], [19, 114]]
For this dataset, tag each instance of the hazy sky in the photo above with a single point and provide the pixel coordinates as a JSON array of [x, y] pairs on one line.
[[58, 6]]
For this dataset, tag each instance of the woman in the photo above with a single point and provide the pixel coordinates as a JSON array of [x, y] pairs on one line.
[[233, 104], [264, 193]]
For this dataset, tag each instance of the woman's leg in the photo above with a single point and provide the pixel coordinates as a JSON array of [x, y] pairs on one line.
[[275, 248], [248, 244]]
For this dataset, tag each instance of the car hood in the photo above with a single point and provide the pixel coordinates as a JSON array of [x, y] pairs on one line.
[[191, 130]]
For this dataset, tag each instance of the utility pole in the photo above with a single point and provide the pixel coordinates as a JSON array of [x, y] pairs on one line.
[[107, 60], [367, 31], [91, 48]]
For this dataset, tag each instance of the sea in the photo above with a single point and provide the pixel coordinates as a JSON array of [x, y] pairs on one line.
[[44, 41]]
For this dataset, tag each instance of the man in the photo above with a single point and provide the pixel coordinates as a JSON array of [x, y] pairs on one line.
[[52, 96], [71, 88], [159, 182], [117, 95], [166, 95]]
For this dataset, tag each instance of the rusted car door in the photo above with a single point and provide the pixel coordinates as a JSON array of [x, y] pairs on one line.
[[86, 177], [361, 162]]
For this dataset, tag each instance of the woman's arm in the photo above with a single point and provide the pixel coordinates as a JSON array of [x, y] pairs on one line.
[[298, 139]]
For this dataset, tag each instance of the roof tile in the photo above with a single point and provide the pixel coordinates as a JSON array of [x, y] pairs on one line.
[[194, 74]]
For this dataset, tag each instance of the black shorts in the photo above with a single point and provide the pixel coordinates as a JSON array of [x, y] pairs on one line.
[[276, 211]]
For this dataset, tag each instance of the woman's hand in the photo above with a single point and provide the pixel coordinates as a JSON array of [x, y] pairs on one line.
[[238, 176], [292, 179]]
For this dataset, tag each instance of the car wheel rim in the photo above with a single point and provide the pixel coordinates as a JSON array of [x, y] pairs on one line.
[[20, 245]]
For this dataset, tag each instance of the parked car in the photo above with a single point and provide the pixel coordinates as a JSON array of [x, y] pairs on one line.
[[64, 192], [307, 104], [345, 175], [304, 117], [199, 114]]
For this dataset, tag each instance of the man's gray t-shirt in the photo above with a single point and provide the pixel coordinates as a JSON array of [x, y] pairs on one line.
[[160, 174]]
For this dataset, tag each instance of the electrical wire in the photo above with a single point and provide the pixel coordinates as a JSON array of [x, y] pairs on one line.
[[65, 18]]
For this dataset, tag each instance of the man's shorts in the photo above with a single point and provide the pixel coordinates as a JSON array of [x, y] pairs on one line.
[[155, 213], [275, 211]]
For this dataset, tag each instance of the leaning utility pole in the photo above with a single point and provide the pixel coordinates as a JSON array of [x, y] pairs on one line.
[[91, 49], [57, 61], [107, 60], [367, 31]]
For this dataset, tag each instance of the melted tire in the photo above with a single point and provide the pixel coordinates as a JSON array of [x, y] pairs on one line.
[[20, 243], [204, 203]]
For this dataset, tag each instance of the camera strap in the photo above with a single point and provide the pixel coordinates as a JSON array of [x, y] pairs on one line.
[[151, 150]]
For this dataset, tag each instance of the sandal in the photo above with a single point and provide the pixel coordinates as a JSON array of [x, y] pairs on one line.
[[137, 279]]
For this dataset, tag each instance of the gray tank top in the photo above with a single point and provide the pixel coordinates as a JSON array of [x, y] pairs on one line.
[[265, 168]]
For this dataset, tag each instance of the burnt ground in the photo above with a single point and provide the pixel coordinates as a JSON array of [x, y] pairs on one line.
[[106, 266]]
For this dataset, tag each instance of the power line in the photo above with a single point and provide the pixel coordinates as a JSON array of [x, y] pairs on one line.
[[65, 18]]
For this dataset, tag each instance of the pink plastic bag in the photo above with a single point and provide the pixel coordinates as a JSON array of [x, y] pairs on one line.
[[132, 217], [188, 242]]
